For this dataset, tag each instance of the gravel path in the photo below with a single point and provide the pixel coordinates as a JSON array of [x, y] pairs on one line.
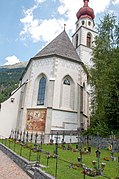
[[9, 169]]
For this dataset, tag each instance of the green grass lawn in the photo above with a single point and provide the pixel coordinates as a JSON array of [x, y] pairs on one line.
[[65, 158]]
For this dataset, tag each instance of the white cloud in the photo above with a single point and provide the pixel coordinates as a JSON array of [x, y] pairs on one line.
[[99, 6], [115, 2], [40, 1], [71, 7], [11, 60], [46, 30], [40, 29]]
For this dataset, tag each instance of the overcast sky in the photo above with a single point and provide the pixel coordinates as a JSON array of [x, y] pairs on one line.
[[28, 25]]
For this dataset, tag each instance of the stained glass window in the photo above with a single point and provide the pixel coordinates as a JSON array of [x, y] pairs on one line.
[[41, 91]]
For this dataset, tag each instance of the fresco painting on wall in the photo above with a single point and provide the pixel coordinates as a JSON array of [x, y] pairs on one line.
[[36, 120]]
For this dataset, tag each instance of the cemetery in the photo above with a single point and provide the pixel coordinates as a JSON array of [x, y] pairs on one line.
[[89, 157], [67, 89]]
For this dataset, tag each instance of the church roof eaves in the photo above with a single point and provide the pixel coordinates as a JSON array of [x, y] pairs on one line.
[[56, 55]]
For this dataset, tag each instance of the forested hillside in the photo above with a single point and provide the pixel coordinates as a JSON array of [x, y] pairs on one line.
[[9, 80]]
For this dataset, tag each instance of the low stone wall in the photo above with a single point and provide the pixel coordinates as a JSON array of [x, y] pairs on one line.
[[101, 142], [27, 166]]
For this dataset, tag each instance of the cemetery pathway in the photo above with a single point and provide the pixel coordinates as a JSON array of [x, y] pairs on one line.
[[9, 169]]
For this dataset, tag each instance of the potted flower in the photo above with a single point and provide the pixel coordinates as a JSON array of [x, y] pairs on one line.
[[93, 162]]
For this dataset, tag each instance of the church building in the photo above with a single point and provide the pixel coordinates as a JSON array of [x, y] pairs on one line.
[[52, 93]]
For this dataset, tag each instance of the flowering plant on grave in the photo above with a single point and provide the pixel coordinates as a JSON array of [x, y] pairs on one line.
[[10, 139], [89, 172], [106, 158], [94, 172], [94, 162], [103, 165]]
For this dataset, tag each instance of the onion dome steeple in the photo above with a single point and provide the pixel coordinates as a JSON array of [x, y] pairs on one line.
[[85, 11]]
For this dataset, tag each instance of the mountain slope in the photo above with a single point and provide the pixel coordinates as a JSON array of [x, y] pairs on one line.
[[9, 79], [16, 65]]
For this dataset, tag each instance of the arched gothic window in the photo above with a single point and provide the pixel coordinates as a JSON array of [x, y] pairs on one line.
[[89, 23], [76, 40], [83, 22], [41, 91], [89, 40]]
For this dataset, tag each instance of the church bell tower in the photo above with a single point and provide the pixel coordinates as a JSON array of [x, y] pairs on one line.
[[84, 36]]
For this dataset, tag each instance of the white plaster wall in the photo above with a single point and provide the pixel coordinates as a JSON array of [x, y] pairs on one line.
[[84, 33], [66, 95], [86, 103], [83, 77], [82, 36], [67, 139], [64, 120], [41, 66], [63, 69], [28, 75], [83, 51], [8, 115], [86, 20], [55, 69], [85, 55]]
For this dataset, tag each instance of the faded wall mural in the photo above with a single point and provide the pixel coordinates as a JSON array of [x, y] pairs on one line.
[[36, 120]]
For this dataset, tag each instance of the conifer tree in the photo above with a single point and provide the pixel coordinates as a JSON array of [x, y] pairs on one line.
[[105, 76]]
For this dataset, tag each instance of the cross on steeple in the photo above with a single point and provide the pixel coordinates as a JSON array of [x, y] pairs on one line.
[[86, 2], [64, 26]]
